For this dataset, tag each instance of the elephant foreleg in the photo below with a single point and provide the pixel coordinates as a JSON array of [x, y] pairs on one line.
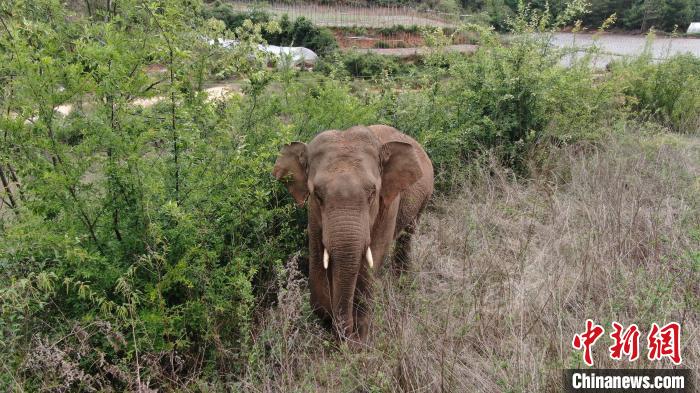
[[402, 250]]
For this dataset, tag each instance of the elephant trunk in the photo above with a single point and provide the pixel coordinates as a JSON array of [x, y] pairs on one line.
[[347, 239]]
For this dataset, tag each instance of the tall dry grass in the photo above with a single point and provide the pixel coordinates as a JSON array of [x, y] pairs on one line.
[[506, 271]]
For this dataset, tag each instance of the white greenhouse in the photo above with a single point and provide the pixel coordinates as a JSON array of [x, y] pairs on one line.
[[694, 28], [285, 56]]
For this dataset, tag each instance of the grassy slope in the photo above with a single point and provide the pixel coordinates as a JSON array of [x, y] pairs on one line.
[[506, 272]]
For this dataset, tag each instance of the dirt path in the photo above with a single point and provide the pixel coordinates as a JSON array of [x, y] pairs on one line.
[[619, 46], [215, 92], [629, 45], [612, 46]]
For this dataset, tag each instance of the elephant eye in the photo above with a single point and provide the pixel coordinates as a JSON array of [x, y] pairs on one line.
[[371, 193]]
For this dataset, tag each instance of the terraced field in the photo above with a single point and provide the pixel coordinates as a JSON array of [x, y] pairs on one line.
[[359, 16]]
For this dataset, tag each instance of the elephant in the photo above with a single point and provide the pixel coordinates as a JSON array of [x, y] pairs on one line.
[[364, 187]]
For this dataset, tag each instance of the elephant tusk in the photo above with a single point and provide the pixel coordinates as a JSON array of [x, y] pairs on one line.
[[370, 260], [325, 258]]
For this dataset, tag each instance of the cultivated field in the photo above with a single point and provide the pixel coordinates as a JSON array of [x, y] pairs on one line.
[[361, 16]]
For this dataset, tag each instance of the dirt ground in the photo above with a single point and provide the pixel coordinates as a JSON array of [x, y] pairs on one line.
[[216, 91]]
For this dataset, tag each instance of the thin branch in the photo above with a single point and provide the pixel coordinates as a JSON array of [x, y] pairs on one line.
[[15, 179], [6, 28], [8, 190], [171, 53], [144, 91], [56, 160]]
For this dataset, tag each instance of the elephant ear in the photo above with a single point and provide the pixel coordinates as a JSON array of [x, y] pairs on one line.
[[290, 169], [400, 169]]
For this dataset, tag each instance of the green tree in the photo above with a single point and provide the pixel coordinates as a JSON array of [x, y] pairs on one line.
[[661, 14], [148, 229]]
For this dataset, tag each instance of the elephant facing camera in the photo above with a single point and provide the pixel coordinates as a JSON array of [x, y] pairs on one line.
[[364, 188]]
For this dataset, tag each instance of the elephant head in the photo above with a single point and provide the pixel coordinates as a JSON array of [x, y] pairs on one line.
[[349, 179]]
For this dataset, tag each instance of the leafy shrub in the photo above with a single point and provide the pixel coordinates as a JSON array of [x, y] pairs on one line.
[[234, 19], [498, 12], [333, 107], [637, 15], [364, 64], [504, 97], [146, 236], [667, 91], [300, 32], [395, 29], [666, 15], [155, 231], [354, 30]]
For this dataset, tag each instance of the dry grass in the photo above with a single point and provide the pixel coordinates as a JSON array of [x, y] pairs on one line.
[[506, 271]]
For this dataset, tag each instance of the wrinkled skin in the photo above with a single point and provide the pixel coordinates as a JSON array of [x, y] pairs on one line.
[[365, 187]]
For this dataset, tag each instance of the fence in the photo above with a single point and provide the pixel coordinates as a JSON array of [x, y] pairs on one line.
[[356, 14]]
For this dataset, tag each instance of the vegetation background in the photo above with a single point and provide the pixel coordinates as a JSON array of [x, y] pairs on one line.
[[147, 247], [631, 15]]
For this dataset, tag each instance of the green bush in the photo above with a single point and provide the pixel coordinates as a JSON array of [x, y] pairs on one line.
[[300, 32], [155, 230], [636, 15], [510, 98], [354, 30], [498, 12], [395, 29], [146, 235], [234, 19], [666, 91], [364, 64], [665, 15]]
